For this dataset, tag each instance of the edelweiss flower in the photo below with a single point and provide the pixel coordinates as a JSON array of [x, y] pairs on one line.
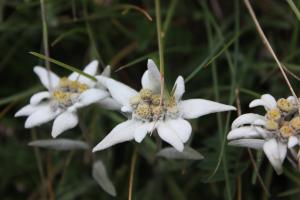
[[64, 96], [278, 129], [146, 114]]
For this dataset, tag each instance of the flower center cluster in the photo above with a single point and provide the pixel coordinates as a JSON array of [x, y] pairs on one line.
[[67, 92], [147, 106], [284, 120]]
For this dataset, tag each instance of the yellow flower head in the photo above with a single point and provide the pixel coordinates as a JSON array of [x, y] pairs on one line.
[[143, 110], [272, 125], [284, 105], [146, 94], [295, 123], [286, 131], [274, 114]]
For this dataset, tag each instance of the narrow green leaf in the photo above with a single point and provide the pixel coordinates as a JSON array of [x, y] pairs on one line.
[[294, 8], [289, 192], [61, 64]]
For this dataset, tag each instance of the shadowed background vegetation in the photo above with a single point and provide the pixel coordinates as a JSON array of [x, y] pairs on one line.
[[213, 44]]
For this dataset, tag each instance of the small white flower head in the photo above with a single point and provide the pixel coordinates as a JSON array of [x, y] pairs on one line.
[[148, 111], [274, 132], [63, 97]]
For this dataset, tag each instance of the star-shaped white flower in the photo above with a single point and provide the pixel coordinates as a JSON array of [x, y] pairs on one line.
[[274, 132], [145, 114], [63, 97]]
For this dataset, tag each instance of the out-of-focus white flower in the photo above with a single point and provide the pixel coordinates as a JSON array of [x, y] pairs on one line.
[[63, 97], [274, 132], [146, 112]]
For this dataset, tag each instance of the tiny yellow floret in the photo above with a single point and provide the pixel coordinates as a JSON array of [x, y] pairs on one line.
[[143, 111], [72, 86], [284, 105], [172, 102], [156, 111], [286, 131], [274, 114], [146, 94], [295, 123], [272, 125], [61, 97], [155, 99]]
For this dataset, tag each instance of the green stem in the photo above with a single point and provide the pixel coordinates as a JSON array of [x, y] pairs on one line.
[[159, 38], [45, 39], [294, 8]]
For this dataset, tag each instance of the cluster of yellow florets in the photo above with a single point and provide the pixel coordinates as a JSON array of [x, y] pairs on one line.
[[63, 98], [68, 85], [67, 90], [283, 119], [149, 106]]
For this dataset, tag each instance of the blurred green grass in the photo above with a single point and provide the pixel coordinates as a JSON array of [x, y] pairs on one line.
[[220, 33]]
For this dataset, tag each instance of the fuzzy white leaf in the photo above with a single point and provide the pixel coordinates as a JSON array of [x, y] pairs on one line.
[[187, 154], [59, 144], [101, 177]]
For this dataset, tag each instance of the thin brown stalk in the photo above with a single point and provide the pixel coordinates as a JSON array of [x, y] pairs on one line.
[[7, 109], [129, 6], [132, 171], [39, 163], [239, 112], [257, 172], [298, 158], [50, 177], [291, 73], [123, 53], [270, 49]]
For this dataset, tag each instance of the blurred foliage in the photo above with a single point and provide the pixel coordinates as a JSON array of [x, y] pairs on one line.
[[196, 33]]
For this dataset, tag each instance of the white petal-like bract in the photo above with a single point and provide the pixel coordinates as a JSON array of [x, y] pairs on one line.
[[246, 119], [266, 100], [151, 77], [121, 133], [180, 127], [179, 88], [91, 96], [90, 69], [107, 71], [38, 97], [44, 75], [250, 143], [194, 108], [272, 152], [110, 104], [63, 122], [243, 132], [293, 141], [167, 134], [42, 115], [28, 110], [119, 91], [141, 131]]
